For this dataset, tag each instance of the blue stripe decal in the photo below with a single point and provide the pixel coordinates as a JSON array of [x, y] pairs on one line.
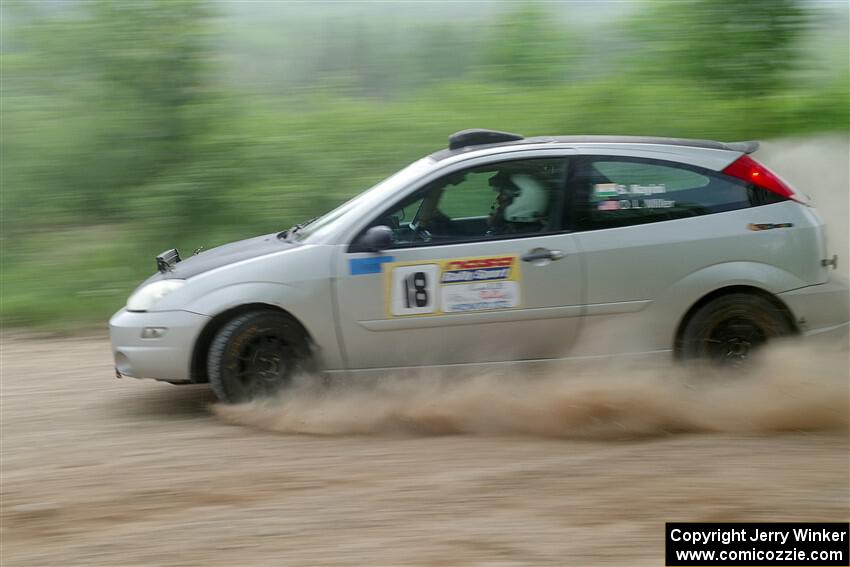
[[361, 266]]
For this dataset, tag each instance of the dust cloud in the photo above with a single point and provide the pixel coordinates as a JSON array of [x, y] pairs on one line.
[[791, 387], [819, 166]]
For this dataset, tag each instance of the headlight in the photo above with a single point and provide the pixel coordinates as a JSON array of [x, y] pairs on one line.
[[146, 297]]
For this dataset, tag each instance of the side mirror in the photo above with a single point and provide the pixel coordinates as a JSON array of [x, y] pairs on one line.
[[375, 239]]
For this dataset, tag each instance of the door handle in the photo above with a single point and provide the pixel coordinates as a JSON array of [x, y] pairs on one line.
[[542, 254]]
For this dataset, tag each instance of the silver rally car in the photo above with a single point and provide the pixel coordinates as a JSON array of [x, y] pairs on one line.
[[500, 249]]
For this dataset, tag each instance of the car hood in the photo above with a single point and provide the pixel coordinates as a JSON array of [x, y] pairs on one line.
[[228, 254]]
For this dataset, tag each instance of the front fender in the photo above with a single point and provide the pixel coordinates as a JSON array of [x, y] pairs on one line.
[[310, 305], [225, 298]]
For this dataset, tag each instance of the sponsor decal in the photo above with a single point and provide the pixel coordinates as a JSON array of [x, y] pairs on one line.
[[452, 286], [480, 297], [478, 269], [476, 275], [371, 265]]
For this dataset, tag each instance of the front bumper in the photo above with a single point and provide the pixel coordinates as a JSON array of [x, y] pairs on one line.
[[821, 310], [167, 357]]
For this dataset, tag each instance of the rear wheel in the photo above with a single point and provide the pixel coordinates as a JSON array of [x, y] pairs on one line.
[[256, 354], [727, 330]]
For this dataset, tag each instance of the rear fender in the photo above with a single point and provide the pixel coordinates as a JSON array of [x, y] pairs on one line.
[[655, 326], [666, 313]]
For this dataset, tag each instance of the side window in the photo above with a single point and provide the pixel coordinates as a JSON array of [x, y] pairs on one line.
[[611, 192], [500, 200], [469, 199]]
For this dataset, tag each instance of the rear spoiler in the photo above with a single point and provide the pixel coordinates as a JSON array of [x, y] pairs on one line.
[[743, 147]]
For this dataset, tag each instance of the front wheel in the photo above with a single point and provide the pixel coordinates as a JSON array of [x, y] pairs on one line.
[[727, 330], [255, 355]]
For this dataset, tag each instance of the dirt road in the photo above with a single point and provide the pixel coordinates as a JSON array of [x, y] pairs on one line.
[[99, 471]]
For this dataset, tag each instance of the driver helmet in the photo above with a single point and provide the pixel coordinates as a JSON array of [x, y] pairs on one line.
[[521, 198]]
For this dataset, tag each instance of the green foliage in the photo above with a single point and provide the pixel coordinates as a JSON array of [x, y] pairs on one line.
[[121, 137], [525, 48], [102, 103], [743, 47]]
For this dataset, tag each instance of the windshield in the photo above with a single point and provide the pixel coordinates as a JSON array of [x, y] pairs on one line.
[[378, 193]]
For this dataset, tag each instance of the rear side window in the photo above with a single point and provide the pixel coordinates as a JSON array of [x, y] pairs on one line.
[[610, 192]]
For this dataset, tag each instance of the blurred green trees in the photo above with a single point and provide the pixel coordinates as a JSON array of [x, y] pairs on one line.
[[100, 104], [131, 127], [526, 48], [743, 47]]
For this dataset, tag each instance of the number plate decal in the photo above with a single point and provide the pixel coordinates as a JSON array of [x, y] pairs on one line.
[[457, 285], [414, 289]]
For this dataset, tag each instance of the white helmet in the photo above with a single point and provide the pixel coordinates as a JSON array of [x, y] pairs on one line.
[[530, 204]]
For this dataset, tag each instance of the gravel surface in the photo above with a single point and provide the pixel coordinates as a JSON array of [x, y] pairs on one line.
[[99, 471]]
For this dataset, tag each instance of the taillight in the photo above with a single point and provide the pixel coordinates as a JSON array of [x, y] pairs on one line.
[[751, 171]]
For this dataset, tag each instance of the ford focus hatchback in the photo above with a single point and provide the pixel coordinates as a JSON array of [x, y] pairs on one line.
[[501, 249]]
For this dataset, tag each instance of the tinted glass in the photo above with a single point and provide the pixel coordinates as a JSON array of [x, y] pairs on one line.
[[501, 200], [610, 192]]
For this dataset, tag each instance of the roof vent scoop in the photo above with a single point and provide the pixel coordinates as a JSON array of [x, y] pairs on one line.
[[479, 137]]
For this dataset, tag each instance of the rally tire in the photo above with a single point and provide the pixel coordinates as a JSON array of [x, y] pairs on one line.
[[255, 355], [728, 330]]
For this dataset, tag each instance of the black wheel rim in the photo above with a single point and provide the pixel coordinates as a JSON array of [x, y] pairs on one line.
[[263, 365], [733, 341]]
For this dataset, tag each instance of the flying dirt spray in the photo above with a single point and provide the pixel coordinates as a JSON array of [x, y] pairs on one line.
[[790, 387]]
